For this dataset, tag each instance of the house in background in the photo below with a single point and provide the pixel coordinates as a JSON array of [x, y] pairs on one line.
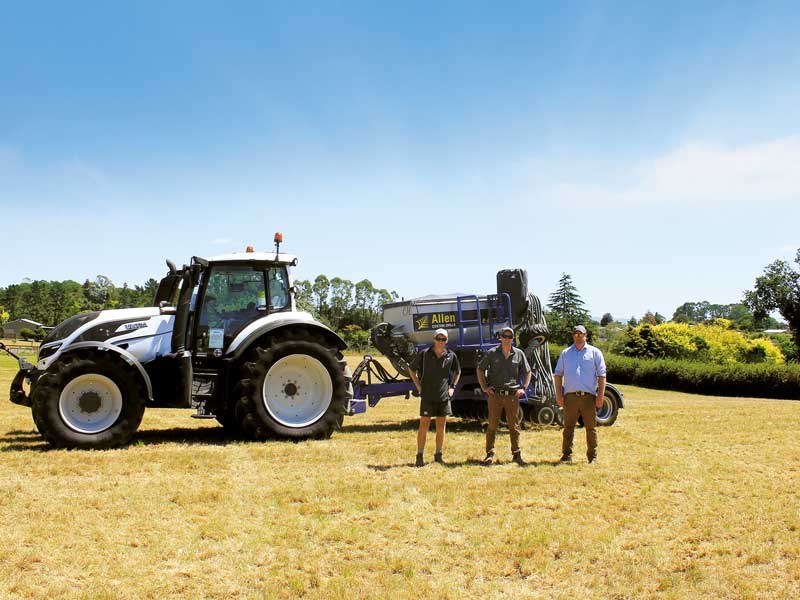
[[12, 328]]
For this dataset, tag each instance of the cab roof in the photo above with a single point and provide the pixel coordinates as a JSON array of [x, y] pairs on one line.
[[281, 258]]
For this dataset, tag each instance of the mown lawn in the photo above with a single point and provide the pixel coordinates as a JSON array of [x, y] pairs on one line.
[[693, 497]]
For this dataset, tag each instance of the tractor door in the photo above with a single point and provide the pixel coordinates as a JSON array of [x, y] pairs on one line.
[[233, 296]]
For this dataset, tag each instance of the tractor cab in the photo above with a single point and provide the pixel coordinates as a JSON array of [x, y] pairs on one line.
[[219, 304], [232, 292]]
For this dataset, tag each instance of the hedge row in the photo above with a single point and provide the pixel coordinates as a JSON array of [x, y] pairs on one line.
[[749, 380]]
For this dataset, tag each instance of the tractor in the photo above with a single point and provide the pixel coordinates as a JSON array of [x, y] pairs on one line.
[[223, 337]]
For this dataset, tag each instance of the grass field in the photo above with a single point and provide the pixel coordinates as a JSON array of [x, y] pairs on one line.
[[693, 497]]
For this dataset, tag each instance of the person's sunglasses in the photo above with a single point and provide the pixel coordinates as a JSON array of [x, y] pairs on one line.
[[507, 337], [440, 339]]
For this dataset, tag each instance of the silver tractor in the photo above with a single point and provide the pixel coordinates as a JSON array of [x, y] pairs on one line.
[[224, 337]]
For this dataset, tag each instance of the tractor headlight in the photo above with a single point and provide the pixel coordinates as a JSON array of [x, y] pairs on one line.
[[45, 351]]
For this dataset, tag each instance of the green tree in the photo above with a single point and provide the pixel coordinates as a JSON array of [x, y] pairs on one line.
[[341, 304], [66, 299], [778, 289], [321, 288], [566, 310], [606, 319], [304, 296], [692, 312], [148, 292]]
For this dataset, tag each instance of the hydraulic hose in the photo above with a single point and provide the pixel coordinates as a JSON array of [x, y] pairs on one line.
[[533, 335], [374, 369]]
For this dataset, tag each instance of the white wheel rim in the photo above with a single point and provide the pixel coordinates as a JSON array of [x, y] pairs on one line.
[[90, 403], [297, 390], [604, 412]]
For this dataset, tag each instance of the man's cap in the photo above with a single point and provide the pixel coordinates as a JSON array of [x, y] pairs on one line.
[[580, 328], [440, 332], [504, 329]]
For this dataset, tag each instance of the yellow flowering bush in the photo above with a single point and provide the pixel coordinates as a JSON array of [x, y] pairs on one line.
[[715, 342]]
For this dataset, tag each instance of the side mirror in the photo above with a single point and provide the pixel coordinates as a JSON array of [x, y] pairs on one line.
[[165, 309]]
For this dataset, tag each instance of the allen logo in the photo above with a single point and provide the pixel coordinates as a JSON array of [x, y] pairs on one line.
[[435, 320]]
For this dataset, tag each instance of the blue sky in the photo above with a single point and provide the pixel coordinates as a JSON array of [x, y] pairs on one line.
[[652, 152]]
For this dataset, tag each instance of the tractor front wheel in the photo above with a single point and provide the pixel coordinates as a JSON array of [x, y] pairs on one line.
[[87, 402]]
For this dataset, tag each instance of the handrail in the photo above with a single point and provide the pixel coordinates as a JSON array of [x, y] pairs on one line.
[[462, 321]]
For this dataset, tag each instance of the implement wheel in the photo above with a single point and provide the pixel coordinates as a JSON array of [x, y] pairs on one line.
[[91, 402], [607, 414], [297, 387]]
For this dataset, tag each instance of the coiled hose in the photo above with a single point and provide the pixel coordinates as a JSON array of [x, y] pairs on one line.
[[533, 335]]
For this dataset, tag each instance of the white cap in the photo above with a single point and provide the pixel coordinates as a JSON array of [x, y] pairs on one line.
[[441, 332]]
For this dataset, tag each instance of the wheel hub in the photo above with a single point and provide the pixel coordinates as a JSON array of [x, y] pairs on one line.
[[90, 402], [290, 389]]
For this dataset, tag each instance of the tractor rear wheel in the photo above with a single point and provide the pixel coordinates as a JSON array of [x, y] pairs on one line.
[[87, 402], [296, 387]]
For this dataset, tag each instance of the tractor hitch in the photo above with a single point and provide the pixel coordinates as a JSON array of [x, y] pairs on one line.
[[18, 395]]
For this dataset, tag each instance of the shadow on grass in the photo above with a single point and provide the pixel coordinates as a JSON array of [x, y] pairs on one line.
[[20, 441], [411, 424], [470, 462]]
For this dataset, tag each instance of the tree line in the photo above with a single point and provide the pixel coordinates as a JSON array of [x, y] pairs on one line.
[[353, 308], [50, 302], [349, 308]]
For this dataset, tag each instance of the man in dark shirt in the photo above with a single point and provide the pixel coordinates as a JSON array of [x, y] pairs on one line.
[[505, 366], [439, 370]]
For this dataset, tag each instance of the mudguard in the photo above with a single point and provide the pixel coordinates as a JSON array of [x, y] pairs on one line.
[[617, 393], [278, 321], [126, 356]]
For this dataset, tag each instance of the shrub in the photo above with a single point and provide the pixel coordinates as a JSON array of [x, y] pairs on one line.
[[785, 342], [761, 380], [356, 338], [715, 342]]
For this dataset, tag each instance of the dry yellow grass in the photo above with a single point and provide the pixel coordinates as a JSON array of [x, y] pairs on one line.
[[693, 497]]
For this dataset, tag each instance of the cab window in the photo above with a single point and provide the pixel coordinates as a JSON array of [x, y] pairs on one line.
[[278, 289], [234, 296]]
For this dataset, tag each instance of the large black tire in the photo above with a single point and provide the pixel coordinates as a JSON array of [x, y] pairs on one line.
[[226, 414], [608, 413], [87, 401], [297, 387]]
